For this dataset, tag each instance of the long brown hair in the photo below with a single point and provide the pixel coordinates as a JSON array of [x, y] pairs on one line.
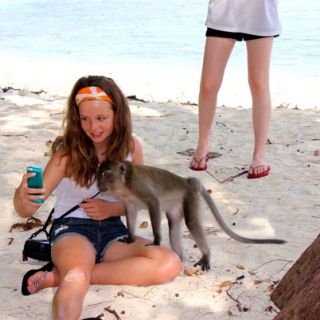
[[78, 147]]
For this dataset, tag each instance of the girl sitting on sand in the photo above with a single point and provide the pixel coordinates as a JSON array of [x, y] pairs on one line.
[[86, 245]]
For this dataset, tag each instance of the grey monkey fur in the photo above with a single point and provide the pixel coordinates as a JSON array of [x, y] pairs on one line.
[[154, 189]]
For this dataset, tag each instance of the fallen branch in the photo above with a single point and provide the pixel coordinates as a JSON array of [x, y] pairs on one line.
[[39, 91], [189, 103], [134, 97]]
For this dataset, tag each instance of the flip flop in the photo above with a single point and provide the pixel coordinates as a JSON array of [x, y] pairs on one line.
[[204, 168], [258, 175], [45, 269]]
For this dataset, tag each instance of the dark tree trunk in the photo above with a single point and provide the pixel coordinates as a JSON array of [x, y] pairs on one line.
[[298, 292]]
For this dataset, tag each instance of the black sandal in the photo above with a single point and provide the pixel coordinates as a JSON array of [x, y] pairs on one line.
[[47, 267]]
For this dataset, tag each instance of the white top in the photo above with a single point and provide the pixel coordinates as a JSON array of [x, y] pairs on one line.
[[69, 194], [256, 17]]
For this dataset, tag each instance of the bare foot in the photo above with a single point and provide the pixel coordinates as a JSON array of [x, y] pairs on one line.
[[41, 280], [258, 169], [199, 161]]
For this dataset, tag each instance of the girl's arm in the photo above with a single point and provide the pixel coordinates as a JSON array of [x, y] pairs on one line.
[[52, 175]]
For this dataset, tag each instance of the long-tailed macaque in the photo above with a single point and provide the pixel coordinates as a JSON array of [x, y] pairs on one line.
[[154, 189]]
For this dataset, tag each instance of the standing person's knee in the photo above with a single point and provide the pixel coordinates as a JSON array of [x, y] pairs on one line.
[[258, 86], [209, 88]]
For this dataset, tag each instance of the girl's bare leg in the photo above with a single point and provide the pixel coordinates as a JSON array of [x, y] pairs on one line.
[[124, 263], [137, 264], [259, 54], [216, 55], [74, 259]]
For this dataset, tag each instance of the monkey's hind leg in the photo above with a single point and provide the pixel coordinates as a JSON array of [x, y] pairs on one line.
[[193, 222]]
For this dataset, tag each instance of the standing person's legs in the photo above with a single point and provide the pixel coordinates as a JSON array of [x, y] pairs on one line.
[[259, 54], [216, 55], [74, 258]]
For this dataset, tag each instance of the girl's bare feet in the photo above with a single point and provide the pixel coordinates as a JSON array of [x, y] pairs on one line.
[[41, 280], [258, 169], [200, 159]]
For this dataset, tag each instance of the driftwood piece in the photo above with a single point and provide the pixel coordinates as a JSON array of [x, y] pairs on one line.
[[298, 292]]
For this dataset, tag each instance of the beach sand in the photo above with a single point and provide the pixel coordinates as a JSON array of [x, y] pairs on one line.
[[284, 205]]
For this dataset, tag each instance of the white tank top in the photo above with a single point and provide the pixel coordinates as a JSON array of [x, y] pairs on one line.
[[69, 194], [257, 17]]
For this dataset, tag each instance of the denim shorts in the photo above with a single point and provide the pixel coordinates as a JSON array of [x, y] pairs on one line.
[[100, 233]]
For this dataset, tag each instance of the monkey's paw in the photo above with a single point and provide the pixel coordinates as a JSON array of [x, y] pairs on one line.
[[153, 244], [126, 240], [203, 263]]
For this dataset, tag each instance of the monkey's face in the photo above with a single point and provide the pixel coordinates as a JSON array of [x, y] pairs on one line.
[[110, 176]]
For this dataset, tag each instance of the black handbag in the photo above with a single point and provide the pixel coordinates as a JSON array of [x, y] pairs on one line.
[[40, 249]]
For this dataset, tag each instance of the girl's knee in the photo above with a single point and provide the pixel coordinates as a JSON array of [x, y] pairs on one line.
[[77, 277], [168, 266]]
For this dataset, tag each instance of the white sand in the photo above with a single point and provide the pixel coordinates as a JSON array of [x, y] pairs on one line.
[[284, 205]]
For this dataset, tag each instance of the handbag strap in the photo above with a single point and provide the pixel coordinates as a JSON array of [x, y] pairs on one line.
[[45, 225], [73, 208]]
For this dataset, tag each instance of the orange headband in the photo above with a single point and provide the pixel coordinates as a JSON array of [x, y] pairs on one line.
[[91, 93]]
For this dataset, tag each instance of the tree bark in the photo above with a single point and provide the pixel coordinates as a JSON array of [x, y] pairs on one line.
[[298, 292]]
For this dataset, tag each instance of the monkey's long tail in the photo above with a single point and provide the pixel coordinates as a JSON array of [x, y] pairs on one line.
[[228, 231]]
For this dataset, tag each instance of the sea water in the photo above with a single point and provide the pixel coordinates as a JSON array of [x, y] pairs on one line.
[[165, 37]]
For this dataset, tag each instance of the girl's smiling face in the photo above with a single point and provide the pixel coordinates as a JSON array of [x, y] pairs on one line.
[[96, 117]]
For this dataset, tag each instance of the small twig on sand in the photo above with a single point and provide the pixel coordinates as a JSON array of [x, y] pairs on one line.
[[275, 260], [237, 210], [12, 135], [239, 304], [112, 312], [231, 178], [133, 295]]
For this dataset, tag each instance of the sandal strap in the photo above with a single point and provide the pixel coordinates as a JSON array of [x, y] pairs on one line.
[[261, 166], [198, 161], [38, 283]]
